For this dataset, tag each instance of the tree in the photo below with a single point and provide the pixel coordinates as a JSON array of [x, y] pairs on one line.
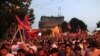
[[82, 25], [98, 24], [8, 9], [64, 26], [76, 24]]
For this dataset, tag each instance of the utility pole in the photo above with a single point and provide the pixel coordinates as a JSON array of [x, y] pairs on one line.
[[59, 11]]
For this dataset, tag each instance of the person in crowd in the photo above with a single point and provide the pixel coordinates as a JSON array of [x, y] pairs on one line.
[[84, 49], [69, 51], [61, 50], [31, 52], [54, 52], [4, 51], [42, 52], [77, 49], [93, 50], [21, 52]]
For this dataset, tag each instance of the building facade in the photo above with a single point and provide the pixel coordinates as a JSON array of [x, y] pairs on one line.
[[50, 21]]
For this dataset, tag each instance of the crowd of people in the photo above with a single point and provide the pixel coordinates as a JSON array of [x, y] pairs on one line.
[[51, 46]]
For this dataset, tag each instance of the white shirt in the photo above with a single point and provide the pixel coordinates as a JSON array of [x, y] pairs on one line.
[[34, 48]]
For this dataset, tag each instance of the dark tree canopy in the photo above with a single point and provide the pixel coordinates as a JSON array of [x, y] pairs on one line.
[[98, 24], [8, 9], [76, 24], [64, 26]]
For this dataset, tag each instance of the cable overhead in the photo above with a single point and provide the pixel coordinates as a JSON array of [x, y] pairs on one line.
[[48, 3], [45, 8], [41, 9]]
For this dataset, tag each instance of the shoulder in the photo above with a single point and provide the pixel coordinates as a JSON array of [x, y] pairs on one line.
[[9, 54]]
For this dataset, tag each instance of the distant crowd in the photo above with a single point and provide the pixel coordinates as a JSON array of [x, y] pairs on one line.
[[51, 46]]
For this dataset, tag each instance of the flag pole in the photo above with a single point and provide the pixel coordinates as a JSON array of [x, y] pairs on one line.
[[21, 36], [24, 37], [15, 35]]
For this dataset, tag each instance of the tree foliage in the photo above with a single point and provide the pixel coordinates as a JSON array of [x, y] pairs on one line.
[[98, 24], [76, 24], [64, 26], [8, 9]]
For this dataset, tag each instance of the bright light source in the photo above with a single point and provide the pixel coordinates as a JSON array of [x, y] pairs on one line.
[[17, 7], [39, 34]]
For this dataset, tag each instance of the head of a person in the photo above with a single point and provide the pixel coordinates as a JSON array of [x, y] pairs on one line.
[[54, 52], [41, 52], [21, 52], [68, 48], [4, 50], [93, 45], [31, 50], [85, 45]]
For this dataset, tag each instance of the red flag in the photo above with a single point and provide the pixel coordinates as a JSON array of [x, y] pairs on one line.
[[27, 22], [21, 23], [34, 33], [26, 27], [20, 26]]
